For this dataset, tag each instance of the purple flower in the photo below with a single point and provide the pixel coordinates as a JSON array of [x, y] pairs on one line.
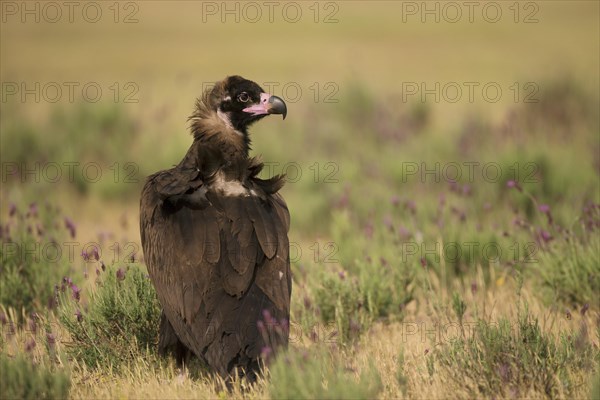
[[285, 324], [267, 316], [545, 235], [76, 292], [265, 352], [389, 224], [545, 208], [95, 253], [342, 275], [403, 232], [120, 274], [78, 315], [12, 209], [30, 345], [519, 222], [51, 338], [514, 184], [504, 372], [85, 255], [33, 210], [70, 226], [423, 262], [473, 287], [584, 309], [395, 200], [3, 319], [343, 201]]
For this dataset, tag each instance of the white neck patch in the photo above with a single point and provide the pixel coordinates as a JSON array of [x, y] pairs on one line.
[[230, 188], [225, 118]]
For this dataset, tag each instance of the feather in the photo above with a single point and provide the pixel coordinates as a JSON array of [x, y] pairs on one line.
[[215, 242]]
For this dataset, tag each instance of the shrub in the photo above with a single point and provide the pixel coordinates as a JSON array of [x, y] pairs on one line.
[[299, 374], [21, 378], [120, 321], [570, 272], [99, 136], [31, 265], [364, 290], [354, 301], [595, 390], [511, 361], [340, 303]]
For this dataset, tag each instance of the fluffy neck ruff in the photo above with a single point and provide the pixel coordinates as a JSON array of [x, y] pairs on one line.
[[209, 124]]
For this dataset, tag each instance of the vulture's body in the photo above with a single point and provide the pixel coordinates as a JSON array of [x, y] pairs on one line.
[[215, 238]]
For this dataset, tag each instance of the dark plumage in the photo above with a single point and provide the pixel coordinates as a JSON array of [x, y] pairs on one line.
[[215, 238]]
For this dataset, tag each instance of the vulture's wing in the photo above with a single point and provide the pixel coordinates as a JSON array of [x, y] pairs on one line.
[[220, 263]]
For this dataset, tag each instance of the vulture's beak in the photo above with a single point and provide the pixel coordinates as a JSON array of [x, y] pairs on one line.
[[268, 105]]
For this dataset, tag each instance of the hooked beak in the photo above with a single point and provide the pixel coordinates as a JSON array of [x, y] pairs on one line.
[[268, 105]]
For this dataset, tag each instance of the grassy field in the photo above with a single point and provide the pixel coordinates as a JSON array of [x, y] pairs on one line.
[[443, 183]]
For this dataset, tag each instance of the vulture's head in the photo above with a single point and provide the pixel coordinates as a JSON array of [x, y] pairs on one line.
[[231, 106]]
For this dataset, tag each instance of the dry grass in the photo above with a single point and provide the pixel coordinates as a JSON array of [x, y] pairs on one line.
[[170, 54], [400, 352]]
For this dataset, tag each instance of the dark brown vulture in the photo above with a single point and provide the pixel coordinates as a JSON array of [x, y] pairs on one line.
[[215, 238]]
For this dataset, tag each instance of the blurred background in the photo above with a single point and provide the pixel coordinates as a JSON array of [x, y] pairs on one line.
[[369, 86], [410, 125]]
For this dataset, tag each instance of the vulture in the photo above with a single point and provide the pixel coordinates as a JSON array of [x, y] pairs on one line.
[[214, 237]]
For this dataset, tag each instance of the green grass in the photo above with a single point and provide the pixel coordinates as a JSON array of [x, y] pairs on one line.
[[507, 359], [116, 323], [569, 273], [21, 378], [362, 260], [380, 248], [32, 256], [300, 374]]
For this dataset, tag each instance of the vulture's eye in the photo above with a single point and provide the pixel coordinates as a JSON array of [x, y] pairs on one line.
[[243, 97]]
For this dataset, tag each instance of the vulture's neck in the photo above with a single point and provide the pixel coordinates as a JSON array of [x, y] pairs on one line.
[[218, 147], [212, 128]]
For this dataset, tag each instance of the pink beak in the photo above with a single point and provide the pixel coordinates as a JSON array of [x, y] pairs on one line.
[[268, 105]]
